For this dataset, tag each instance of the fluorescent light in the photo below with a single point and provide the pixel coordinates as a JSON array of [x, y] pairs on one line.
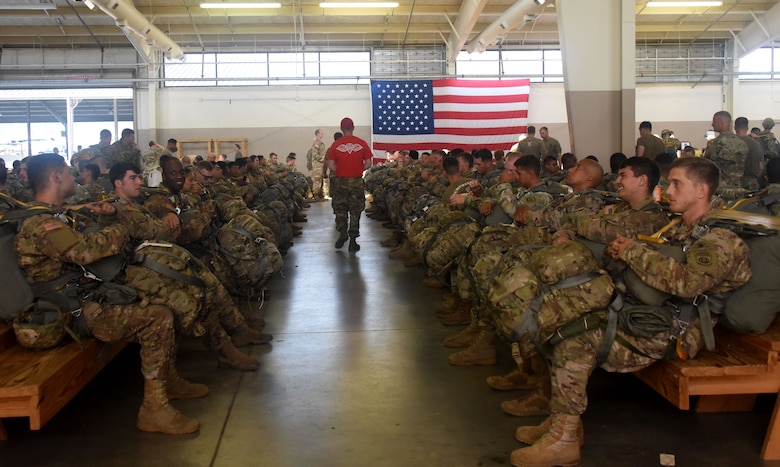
[[539, 2], [36, 6], [89, 4], [240, 5], [359, 5], [683, 4]]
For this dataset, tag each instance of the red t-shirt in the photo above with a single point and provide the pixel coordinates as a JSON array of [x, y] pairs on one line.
[[349, 152]]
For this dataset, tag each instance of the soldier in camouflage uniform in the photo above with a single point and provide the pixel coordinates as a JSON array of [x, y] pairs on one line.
[[671, 143], [49, 245], [767, 140], [315, 161], [151, 158], [716, 264], [88, 179], [347, 158], [727, 151], [755, 157], [124, 149], [17, 185], [637, 213], [220, 312], [531, 145]]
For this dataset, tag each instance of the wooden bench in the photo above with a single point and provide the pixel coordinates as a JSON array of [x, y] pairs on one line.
[[727, 379], [38, 383]]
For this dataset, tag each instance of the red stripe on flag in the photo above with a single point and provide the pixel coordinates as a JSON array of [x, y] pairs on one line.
[[470, 83], [481, 115], [456, 99], [432, 146], [477, 131]]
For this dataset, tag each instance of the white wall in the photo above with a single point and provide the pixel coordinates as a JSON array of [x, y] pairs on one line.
[[283, 119]]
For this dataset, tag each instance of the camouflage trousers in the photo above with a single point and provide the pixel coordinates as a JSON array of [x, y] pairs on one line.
[[348, 201], [151, 326], [316, 177], [574, 359]]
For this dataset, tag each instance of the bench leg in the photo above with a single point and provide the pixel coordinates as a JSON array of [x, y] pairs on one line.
[[726, 403], [3, 433], [771, 449]]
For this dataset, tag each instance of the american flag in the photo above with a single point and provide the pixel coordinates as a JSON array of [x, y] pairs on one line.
[[448, 113]]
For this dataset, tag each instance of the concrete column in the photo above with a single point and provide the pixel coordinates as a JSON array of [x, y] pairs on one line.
[[598, 48]]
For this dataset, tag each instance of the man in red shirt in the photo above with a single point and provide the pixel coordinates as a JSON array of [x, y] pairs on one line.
[[347, 158]]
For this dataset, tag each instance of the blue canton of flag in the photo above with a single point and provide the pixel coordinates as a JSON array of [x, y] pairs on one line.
[[402, 108]]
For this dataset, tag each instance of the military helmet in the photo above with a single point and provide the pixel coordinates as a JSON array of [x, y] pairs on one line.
[[768, 123], [666, 132], [39, 326]]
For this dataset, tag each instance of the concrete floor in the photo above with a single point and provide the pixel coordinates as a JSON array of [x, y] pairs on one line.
[[356, 376]]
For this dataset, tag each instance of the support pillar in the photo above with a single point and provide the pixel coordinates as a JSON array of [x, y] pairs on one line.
[[598, 40]]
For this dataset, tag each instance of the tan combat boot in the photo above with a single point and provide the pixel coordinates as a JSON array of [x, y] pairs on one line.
[[244, 335], [257, 323], [530, 405], [177, 387], [412, 260], [402, 252], [529, 376], [465, 337], [460, 314], [157, 415], [559, 446], [231, 357], [433, 282], [343, 237], [481, 352], [449, 304], [532, 434], [393, 240]]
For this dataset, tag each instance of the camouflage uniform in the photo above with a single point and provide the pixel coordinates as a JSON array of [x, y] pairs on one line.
[[531, 145], [118, 152], [17, 189], [769, 144], [196, 225], [615, 220], [730, 153], [348, 198], [48, 246], [554, 216], [151, 160], [315, 162], [717, 263], [752, 170]]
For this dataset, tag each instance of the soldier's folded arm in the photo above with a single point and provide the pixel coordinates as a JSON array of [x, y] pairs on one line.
[[75, 247], [708, 264]]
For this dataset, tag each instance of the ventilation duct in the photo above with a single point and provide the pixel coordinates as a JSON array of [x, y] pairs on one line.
[[131, 21], [519, 13]]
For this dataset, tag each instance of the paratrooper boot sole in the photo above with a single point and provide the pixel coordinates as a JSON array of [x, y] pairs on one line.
[[532, 434], [464, 338], [166, 420], [530, 405], [515, 379], [479, 353]]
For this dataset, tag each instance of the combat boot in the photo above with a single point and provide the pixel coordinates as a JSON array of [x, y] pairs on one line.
[[258, 324], [343, 237], [393, 240], [530, 405], [244, 335], [559, 446], [465, 337], [156, 415], [481, 352], [530, 376], [403, 251], [232, 358], [300, 217], [433, 282], [412, 260], [532, 434], [353, 245], [177, 387], [448, 304], [319, 199], [460, 314]]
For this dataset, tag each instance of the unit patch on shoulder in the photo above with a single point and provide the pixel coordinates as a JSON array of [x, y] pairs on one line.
[[48, 226]]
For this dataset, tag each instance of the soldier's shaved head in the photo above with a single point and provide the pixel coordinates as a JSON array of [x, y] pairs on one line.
[[595, 169]]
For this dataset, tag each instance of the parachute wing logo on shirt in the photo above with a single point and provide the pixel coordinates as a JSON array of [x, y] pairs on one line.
[[349, 148]]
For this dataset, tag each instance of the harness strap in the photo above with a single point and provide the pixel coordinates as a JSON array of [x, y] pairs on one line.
[[263, 260], [433, 239], [610, 330]]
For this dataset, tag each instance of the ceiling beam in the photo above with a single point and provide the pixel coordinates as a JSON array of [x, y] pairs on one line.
[[468, 16], [759, 33]]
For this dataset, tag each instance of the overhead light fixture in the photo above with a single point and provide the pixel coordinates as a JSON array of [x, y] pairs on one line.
[[89, 4], [240, 5], [540, 2], [683, 4], [30, 6], [359, 5]]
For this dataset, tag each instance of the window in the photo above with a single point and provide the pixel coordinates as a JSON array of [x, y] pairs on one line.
[[200, 67], [347, 65], [758, 65], [236, 69], [473, 65]]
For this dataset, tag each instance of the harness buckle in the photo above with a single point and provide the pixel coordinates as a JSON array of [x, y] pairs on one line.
[[697, 302], [76, 313]]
